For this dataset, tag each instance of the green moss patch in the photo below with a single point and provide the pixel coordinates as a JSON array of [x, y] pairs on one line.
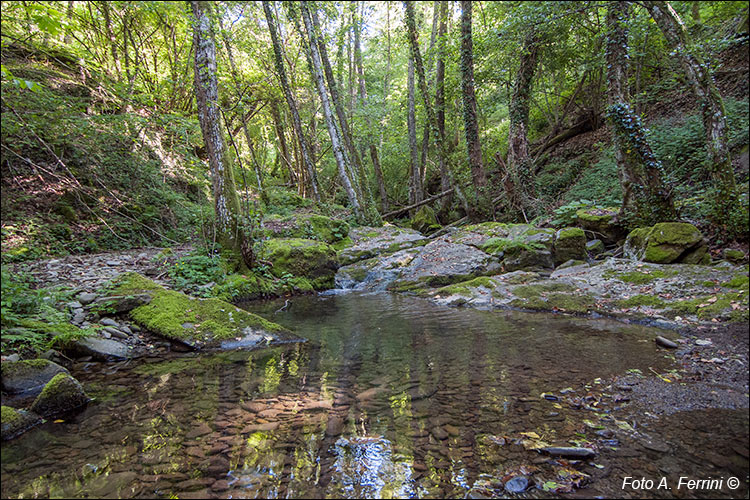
[[197, 322], [731, 305], [466, 287], [557, 301], [641, 300], [62, 393], [540, 289], [637, 277], [739, 281], [237, 287], [314, 260]]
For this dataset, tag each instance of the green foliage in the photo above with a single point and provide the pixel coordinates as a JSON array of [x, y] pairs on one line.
[[565, 215], [600, 183], [34, 320], [192, 273]]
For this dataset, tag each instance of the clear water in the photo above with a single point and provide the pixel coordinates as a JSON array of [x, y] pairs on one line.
[[391, 397]]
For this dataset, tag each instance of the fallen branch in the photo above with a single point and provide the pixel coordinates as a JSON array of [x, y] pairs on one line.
[[415, 205]]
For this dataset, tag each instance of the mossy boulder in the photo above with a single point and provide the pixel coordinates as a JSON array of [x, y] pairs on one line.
[[570, 244], [237, 287], [732, 255], [425, 220], [195, 322], [667, 243], [62, 393], [307, 226], [314, 260], [602, 221], [28, 375], [15, 422], [367, 242], [524, 247], [595, 247]]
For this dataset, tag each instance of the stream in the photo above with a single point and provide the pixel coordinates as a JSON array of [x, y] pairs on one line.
[[392, 396]]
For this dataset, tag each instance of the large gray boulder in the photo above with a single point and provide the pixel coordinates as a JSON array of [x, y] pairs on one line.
[[28, 375]]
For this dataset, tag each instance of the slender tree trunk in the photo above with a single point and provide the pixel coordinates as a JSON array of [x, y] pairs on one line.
[[279, 129], [230, 231], [387, 49], [242, 114], [358, 52], [419, 67], [415, 178], [379, 177], [333, 88], [69, 17], [645, 198], [426, 133], [445, 178], [112, 40], [336, 143], [710, 102], [519, 162], [471, 127], [279, 61]]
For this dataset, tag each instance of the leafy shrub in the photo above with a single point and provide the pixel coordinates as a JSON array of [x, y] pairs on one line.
[[599, 183], [193, 272], [566, 214]]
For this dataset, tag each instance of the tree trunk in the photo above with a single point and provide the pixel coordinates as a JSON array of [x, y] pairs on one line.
[[419, 67], [230, 230], [242, 115], [710, 102], [645, 200], [336, 143], [333, 88], [111, 38], [519, 162], [445, 177], [379, 177], [358, 52], [415, 178], [426, 134], [279, 61], [471, 127], [69, 17], [284, 153]]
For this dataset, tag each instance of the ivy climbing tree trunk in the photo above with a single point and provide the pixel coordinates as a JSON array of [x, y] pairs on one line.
[[279, 62], [474, 148], [711, 105], [229, 227], [518, 177], [645, 198]]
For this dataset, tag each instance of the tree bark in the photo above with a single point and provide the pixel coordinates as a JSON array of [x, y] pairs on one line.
[[519, 162], [230, 231], [358, 52], [419, 67], [336, 143], [474, 148], [279, 61], [710, 102], [445, 177], [379, 177], [645, 197], [415, 178], [279, 129]]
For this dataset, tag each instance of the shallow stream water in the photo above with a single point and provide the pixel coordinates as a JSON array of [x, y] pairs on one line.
[[391, 397]]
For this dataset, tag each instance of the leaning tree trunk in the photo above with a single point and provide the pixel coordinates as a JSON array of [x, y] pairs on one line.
[[711, 104], [230, 230], [519, 162], [336, 143], [279, 61], [474, 149], [411, 28], [645, 199]]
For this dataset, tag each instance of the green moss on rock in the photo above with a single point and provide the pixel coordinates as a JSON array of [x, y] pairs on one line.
[[465, 288], [62, 393], [16, 422], [739, 281], [539, 289], [314, 260], [733, 255], [641, 300], [714, 306], [425, 220], [570, 244], [196, 322], [667, 242], [636, 277]]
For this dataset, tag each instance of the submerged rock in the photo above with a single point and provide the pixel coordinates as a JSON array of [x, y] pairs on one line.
[[28, 375], [15, 422], [666, 243], [61, 394], [517, 484], [564, 451]]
